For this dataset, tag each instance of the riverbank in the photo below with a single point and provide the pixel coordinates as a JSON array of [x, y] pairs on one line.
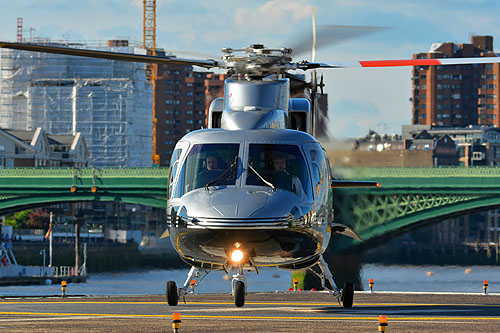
[[101, 257]]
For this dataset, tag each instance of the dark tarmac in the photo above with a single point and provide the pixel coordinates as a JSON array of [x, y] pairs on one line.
[[263, 312]]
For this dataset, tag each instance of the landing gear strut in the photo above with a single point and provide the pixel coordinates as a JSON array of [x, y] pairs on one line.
[[173, 293], [345, 295]]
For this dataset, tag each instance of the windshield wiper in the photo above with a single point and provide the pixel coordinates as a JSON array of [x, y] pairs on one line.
[[250, 167], [231, 171]]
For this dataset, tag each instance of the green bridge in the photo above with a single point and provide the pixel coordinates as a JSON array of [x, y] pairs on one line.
[[411, 197], [28, 187], [407, 197]]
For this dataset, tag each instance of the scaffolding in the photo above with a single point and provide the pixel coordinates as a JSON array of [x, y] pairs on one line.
[[108, 101]]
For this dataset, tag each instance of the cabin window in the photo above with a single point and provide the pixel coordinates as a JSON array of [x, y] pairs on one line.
[[281, 165], [174, 164], [319, 170], [207, 163]]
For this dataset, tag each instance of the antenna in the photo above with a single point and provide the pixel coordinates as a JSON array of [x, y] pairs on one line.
[[313, 76], [313, 52]]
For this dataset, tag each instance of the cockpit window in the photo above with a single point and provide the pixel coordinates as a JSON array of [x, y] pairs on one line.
[[281, 165], [205, 164]]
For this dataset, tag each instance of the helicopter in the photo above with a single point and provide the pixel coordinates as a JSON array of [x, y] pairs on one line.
[[253, 189]]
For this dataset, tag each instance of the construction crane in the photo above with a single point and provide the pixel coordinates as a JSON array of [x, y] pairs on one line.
[[19, 29], [149, 43]]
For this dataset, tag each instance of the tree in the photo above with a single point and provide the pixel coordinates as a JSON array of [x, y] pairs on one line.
[[18, 219], [38, 219]]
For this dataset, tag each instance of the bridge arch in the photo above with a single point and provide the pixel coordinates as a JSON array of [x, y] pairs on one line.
[[412, 197], [21, 188]]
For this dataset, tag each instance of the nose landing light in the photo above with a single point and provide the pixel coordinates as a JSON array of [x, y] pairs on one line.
[[237, 256]]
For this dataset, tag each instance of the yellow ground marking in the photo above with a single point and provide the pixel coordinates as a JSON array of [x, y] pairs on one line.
[[249, 317], [249, 303]]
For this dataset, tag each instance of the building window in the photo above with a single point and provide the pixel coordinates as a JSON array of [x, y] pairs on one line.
[[168, 111], [169, 102], [189, 102], [189, 121], [189, 112], [189, 93]]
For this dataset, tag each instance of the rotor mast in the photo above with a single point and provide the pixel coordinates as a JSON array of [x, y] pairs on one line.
[[149, 43]]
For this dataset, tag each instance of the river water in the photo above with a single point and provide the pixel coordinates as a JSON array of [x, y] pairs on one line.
[[387, 278]]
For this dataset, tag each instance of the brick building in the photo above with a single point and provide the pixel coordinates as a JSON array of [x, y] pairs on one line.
[[180, 106], [457, 95]]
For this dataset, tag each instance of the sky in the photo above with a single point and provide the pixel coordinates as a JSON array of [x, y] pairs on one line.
[[359, 99]]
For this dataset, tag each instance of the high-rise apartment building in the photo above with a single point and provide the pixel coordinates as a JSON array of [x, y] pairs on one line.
[[457, 95]]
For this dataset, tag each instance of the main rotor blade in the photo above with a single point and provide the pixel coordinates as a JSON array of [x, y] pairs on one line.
[[399, 63], [108, 55], [327, 35]]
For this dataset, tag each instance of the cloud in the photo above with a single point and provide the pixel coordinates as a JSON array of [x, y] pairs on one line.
[[278, 16]]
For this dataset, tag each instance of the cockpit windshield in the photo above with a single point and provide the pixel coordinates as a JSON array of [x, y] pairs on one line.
[[281, 165], [206, 165]]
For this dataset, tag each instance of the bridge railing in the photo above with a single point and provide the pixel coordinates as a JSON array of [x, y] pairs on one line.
[[84, 172], [422, 172]]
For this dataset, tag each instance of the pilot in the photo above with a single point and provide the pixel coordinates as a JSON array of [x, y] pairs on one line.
[[212, 162], [210, 171], [279, 163]]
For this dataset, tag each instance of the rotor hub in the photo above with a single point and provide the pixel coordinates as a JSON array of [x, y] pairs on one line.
[[257, 60]]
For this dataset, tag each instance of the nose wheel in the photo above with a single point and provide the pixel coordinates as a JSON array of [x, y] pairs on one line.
[[239, 288], [239, 294]]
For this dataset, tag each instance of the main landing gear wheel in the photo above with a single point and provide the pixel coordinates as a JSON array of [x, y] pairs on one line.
[[348, 295], [239, 294], [172, 293]]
